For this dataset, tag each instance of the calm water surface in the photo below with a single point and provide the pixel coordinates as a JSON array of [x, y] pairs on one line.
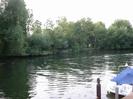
[[66, 76]]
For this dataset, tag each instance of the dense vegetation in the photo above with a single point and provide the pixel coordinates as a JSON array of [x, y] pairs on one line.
[[21, 35]]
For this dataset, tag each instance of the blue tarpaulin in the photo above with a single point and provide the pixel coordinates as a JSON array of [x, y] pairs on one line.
[[124, 77]]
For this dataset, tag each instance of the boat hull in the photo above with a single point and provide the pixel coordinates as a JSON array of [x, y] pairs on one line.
[[123, 90]]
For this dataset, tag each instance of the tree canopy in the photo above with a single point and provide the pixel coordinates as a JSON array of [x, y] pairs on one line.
[[13, 27], [20, 34]]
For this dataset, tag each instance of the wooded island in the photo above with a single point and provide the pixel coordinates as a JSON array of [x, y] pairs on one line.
[[21, 35]]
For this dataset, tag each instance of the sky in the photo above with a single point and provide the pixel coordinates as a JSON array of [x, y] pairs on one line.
[[106, 11]]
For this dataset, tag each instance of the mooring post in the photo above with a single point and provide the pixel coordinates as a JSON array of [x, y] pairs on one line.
[[132, 87], [98, 89], [116, 92]]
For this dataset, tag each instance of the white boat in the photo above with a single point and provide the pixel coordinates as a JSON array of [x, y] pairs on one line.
[[124, 88]]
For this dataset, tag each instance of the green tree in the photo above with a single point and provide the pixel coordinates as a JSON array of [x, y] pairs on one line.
[[13, 24], [15, 41], [3, 4], [36, 27], [120, 35], [62, 32], [29, 21], [83, 33], [100, 32]]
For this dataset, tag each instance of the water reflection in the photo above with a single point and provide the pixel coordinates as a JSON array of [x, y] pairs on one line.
[[14, 79], [66, 76]]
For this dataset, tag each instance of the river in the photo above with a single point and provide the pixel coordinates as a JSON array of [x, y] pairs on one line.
[[64, 76]]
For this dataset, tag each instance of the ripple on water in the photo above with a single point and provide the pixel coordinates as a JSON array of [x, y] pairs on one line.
[[71, 77]]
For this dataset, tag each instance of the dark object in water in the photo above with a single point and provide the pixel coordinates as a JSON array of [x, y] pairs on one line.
[[98, 89]]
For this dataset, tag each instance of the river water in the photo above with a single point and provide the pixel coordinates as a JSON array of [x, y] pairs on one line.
[[66, 76]]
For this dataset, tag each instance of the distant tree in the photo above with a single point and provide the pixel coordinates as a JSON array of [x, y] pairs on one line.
[[36, 27], [49, 24], [100, 32], [83, 32], [120, 35], [30, 21], [62, 32], [48, 32]]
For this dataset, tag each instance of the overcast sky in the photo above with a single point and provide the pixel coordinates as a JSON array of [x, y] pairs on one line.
[[98, 10]]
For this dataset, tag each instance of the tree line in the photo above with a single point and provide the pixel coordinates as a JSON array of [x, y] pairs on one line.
[[21, 35]]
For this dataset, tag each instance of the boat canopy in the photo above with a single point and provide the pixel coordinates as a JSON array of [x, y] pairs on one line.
[[124, 77]]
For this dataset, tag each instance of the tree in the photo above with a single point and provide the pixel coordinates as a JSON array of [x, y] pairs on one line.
[[13, 24], [36, 27], [83, 33], [29, 21], [3, 4], [16, 14], [15, 41], [62, 32], [49, 24], [120, 35], [100, 32]]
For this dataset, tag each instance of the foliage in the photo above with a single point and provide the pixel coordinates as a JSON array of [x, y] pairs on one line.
[[100, 33], [38, 43], [36, 27], [15, 41], [120, 35], [20, 34], [13, 27]]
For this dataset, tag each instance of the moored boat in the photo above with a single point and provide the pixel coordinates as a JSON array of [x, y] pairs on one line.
[[124, 89], [123, 80]]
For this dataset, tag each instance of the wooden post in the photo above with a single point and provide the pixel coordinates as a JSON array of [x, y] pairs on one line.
[[116, 92], [132, 87], [98, 89]]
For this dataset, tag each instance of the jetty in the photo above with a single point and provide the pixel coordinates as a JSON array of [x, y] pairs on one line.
[[130, 96]]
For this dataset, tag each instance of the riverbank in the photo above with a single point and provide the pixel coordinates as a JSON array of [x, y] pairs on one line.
[[66, 51], [46, 53]]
